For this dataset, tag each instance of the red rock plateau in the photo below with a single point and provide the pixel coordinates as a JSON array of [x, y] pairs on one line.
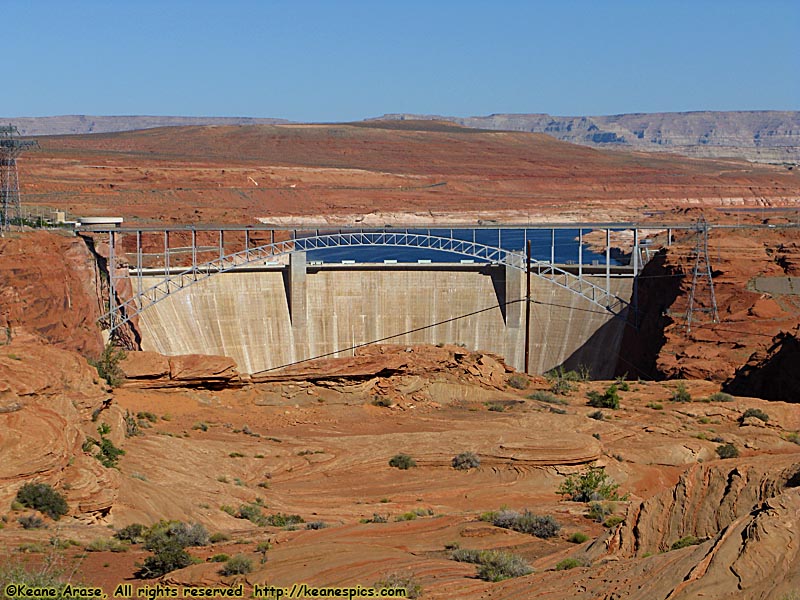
[[378, 172], [204, 444]]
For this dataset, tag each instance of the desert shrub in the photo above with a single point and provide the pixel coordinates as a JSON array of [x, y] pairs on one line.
[[495, 407], [568, 563], [655, 405], [685, 542], [518, 381], [608, 399], [402, 461], [236, 455], [218, 537], [558, 411], [465, 461], [132, 427], [527, 522], [316, 525], [396, 581], [109, 454], [106, 545], [147, 416], [562, 382], [613, 520], [134, 533], [727, 451], [47, 575], [497, 566], [681, 394], [107, 365], [622, 384], [548, 397], [31, 522], [596, 415], [376, 518], [200, 426], [755, 412], [598, 511], [407, 516], [237, 565], [466, 555], [169, 557], [592, 484], [251, 512], [167, 540], [42, 497], [219, 558], [493, 565], [281, 520], [183, 534], [578, 538], [793, 437], [720, 397]]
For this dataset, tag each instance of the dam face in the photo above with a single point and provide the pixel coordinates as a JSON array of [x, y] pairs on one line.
[[277, 316]]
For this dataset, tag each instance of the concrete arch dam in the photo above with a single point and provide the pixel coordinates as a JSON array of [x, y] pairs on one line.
[[277, 315]]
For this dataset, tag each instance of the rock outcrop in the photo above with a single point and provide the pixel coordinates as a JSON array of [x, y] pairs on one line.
[[49, 286], [154, 370], [51, 401]]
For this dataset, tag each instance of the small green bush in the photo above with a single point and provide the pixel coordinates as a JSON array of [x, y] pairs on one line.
[[219, 558], [727, 451], [578, 538], [568, 563], [609, 399], [147, 416], [493, 565], [599, 511], [465, 461], [596, 415], [169, 557], [281, 520], [396, 581], [592, 484], [518, 381], [547, 397], [755, 412], [237, 565], [495, 407], [720, 397], [313, 525], [109, 454], [655, 405], [402, 461], [106, 545], [681, 394], [498, 566], [42, 497], [685, 542], [613, 521], [107, 365], [793, 437], [31, 522], [218, 537], [527, 522]]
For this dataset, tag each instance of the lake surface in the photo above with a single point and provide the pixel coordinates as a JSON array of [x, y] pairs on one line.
[[566, 247]]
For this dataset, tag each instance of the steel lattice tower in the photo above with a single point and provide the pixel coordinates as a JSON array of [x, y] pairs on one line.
[[702, 281], [10, 148]]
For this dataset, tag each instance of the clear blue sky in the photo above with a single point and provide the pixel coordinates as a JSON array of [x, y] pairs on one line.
[[345, 60]]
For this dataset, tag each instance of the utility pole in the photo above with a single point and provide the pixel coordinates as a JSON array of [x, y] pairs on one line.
[[10, 148], [702, 280]]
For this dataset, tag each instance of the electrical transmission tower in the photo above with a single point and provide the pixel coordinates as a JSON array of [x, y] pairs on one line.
[[10, 148], [702, 292]]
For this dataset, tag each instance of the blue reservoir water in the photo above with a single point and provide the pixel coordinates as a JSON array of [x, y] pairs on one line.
[[566, 247]]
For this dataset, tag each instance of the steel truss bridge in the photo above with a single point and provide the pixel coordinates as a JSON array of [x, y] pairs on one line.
[[234, 248]]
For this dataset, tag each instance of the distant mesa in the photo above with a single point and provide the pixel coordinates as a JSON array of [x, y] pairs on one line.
[[760, 136]]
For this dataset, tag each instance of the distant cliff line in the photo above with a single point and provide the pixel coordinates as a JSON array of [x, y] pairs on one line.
[[761, 136]]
